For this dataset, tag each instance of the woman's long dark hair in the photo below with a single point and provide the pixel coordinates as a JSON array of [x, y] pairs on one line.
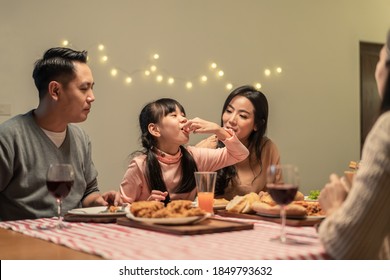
[[385, 105], [255, 139], [153, 112]]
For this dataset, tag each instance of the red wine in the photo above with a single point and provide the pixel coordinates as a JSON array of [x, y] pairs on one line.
[[282, 194], [59, 189]]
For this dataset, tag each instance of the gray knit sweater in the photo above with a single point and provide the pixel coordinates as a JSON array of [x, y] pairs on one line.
[[360, 228], [25, 155]]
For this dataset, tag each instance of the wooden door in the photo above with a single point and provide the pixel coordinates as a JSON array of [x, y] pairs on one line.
[[369, 98]]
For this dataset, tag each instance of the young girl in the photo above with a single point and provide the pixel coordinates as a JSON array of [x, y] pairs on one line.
[[165, 169]]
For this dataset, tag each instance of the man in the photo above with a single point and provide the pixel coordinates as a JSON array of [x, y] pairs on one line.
[[29, 143]]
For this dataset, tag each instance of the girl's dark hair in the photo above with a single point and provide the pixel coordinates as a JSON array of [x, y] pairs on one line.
[[385, 105], [153, 112], [56, 65], [255, 139]]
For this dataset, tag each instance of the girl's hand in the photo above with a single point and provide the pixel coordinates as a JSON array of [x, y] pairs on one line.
[[158, 195]]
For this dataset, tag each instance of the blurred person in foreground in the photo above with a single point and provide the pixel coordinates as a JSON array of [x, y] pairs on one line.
[[245, 111], [357, 225], [29, 143]]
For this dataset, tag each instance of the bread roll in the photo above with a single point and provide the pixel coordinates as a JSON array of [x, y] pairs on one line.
[[291, 209], [242, 204]]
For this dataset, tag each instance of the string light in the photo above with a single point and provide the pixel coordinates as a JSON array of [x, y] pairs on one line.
[[159, 77], [189, 85], [114, 72]]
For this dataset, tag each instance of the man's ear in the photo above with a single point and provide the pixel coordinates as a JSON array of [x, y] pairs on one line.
[[154, 130], [54, 89]]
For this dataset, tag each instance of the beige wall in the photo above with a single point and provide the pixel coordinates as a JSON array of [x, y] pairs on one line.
[[314, 102]]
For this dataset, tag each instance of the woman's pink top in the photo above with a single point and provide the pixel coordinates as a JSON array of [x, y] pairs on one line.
[[134, 186]]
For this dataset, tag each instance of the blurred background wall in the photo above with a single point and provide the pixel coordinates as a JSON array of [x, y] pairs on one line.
[[314, 100]]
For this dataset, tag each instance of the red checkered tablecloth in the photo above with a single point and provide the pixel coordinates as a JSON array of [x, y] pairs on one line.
[[112, 241]]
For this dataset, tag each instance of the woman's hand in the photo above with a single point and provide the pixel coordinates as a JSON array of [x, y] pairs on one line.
[[158, 195], [333, 194]]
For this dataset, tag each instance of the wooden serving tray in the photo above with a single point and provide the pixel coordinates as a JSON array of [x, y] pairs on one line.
[[210, 225], [299, 222]]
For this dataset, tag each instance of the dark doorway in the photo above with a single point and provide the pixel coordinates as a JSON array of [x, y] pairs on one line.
[[369, 98]]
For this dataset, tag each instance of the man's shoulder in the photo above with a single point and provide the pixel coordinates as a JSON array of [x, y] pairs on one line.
[[12, 124]]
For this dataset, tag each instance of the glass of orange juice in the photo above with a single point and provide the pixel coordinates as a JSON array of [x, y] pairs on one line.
[[205, 182]]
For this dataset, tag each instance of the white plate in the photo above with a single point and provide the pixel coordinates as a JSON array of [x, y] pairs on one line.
[[292, 217], [169, 221], [96, 211]]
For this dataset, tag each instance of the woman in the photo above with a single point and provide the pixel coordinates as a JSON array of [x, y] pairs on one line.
[[165, 169], [245, 111], [357, 225]]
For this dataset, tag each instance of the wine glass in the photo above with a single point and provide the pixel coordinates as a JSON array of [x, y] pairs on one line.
[[59, 181], [282, 185]]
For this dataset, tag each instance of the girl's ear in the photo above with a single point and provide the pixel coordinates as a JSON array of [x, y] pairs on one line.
[[154, 130]]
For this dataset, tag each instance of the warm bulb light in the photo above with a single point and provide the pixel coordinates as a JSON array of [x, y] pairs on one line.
[[147, 73], [171, 81], [213, 65], [114, 72], [203, 78], [267, 72], [221, 73], [279, 70], [189, 85], [65, 43], [159, 78], [104, 58], [128, 80], [156, 56], [258, 85], [101, 47], [153, 68], [229, 86]]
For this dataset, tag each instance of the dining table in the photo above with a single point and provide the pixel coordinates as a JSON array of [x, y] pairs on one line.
[[82, 240]]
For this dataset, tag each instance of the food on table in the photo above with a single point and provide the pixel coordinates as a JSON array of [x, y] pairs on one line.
[[313, 208], [298, 207], [242, 204], [220, 202], [268, 209], [156, 209], [313, 194]]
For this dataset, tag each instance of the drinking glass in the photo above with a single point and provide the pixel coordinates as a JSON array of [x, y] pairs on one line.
[[282, 185], [59, 181], [205, 182]]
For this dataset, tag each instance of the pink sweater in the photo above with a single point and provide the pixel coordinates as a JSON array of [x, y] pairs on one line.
[[134, 186]]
